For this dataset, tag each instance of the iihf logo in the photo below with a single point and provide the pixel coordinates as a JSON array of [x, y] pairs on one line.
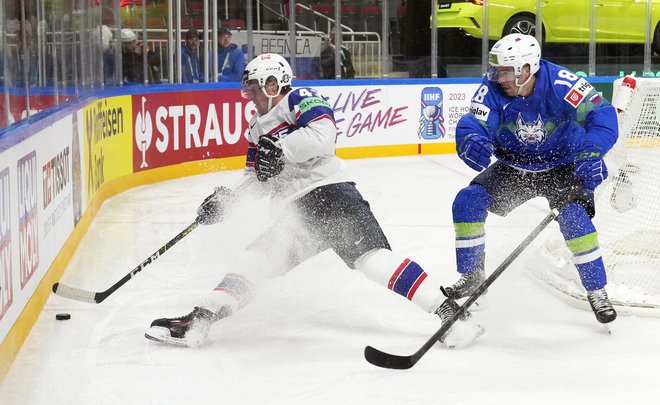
[[431, 121]]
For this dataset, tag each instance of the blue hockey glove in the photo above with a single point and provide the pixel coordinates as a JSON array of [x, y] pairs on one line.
[[269, 158], [590, 168], [476, 150], [212, 209]]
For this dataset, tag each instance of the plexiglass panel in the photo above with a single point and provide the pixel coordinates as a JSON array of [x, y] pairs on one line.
[[54, 50]]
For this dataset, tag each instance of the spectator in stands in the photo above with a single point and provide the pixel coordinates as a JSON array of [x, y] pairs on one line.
[[108, 51], [191, 69], [231, 62], [328, 61], [132, 59]]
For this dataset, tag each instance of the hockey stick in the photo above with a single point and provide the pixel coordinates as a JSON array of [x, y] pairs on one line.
[[91, 297], [387, 360]]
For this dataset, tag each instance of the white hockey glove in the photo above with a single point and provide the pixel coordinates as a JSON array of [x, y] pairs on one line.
[[212, 209], [269, 158]]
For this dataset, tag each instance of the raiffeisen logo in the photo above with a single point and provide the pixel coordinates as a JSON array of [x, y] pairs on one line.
[[172, 128]]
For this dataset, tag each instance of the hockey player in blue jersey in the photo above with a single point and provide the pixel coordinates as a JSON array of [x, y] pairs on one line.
[[291, 157], [549, 129]]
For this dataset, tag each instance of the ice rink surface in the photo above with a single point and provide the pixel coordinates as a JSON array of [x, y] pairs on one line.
[[301, 340]]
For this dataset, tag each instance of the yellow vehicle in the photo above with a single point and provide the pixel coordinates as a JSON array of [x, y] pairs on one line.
[[564, 21]]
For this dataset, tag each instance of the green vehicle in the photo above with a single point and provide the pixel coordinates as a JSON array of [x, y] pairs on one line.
[[564, 21]]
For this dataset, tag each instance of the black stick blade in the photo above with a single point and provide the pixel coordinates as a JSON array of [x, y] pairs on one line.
[[386, 360]]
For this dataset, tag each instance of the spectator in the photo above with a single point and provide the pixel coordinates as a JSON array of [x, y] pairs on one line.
[[131, 59], [191, 70], [328, 61], [104, 35], [231, 62]]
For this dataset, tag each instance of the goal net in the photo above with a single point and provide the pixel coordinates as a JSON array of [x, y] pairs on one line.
[[627, 212]]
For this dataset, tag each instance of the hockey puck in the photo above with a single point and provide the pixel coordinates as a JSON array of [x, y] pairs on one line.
[[62, 317]]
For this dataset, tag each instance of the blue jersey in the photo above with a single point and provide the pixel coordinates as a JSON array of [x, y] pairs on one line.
[[545, 130]]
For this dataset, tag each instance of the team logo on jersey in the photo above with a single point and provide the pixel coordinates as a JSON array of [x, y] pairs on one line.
[[578, 92], [531, 132], [431, 120]]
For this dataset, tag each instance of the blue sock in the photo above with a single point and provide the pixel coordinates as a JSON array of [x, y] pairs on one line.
[[582, 240], [469, 212]]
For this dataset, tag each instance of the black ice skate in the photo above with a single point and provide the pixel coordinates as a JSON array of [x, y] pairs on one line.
[[601, 305], [464, 331], [188, 330], [466, 285]]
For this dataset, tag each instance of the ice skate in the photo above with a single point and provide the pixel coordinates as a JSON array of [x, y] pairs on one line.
[[188, 330], [466, 285], [601, 305], [464, 331]]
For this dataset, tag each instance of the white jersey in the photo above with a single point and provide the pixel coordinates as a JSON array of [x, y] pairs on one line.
[[305, 123]]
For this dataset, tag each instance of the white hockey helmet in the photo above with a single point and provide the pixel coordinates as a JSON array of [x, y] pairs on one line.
[[516, 50], [266, 65]]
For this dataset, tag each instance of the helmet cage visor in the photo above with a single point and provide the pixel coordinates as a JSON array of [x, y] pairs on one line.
[[495, 75], [250, 87]]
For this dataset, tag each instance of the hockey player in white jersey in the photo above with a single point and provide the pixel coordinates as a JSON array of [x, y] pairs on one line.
[[291, 157]]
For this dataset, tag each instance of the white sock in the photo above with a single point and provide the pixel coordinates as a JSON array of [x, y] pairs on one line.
[[234, 290], [403, 276]]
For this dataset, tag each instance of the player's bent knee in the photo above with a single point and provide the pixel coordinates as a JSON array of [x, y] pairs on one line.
[[471, 201]]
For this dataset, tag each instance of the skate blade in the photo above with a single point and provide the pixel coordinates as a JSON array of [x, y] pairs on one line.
[[168, 341], [481, 304], [607, 328], [462, 334], [158, 335]]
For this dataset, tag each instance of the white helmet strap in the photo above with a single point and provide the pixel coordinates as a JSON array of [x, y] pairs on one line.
[[271, 97], [520, 86]]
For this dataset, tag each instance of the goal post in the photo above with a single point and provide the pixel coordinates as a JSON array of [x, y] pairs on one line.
[[627, 212]]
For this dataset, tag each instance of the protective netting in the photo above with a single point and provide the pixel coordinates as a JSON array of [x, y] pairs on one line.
[[627, 213]]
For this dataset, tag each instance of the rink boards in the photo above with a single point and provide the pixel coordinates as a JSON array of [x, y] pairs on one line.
[[57, 168]]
